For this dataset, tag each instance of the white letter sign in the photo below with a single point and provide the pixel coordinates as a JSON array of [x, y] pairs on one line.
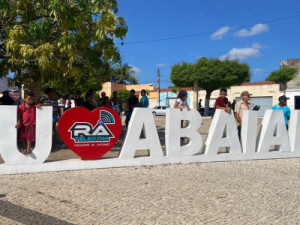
[[294, 131], [8, 143], [141, 118], [273, 132], [174, 132], [215, 139]]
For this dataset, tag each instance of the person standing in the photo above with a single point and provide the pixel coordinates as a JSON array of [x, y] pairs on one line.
[[241, 106], [233, 105], [6, 99], [133, 102], [115, 103], [200, 105], [104, 100], [282, 105], [61, 104], [144, 103], [26, 122], [50, 100], [68, 102], [79, 102], [89, 102]]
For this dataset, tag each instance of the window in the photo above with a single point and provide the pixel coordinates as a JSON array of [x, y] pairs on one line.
[[164, 107]]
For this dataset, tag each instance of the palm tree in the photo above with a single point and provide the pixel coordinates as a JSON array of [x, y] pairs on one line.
[[133, 80], [122, 74]]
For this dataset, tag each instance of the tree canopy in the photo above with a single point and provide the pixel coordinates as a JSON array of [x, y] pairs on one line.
[[66, 42], [211, 74], [123, 95], [282, 76]]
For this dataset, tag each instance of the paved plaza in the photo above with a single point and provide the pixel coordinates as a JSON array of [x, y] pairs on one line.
[[252, 192]]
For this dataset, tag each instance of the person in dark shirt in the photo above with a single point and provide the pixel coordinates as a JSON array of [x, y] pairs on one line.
[[233, 105], [133, 101], [78, 99], [104, 100], [89, 103], [50, 100], [6, 99]]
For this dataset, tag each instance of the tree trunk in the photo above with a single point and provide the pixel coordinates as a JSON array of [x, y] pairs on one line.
[[36, 88], [207, 98], [195, 95], [284, 88]]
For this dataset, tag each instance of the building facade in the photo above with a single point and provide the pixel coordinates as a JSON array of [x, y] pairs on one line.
[[110, 87], [293, 86]]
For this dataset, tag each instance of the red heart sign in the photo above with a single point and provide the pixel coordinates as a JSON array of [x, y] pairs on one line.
[[90, 134]]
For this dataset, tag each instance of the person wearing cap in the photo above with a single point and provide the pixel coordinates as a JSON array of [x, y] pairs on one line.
[[282, 105], [241, 106]]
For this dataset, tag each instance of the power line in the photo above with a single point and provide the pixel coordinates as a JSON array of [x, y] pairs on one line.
[[209, 32]]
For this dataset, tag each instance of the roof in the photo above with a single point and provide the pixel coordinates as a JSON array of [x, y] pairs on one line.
[[258, 83], [170, 89]]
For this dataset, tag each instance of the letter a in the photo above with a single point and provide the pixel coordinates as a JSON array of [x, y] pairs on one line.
[[273, 132], [215, 139], [141, 118]]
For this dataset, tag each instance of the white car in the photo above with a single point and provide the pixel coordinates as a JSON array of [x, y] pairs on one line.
[[159, 110]]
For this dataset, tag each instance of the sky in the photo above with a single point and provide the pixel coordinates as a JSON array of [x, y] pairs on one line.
[[165, 32]]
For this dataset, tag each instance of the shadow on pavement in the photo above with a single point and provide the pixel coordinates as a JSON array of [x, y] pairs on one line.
[[27, 216]]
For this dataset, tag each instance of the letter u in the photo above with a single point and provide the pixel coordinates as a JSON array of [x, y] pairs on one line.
[[8, 136]]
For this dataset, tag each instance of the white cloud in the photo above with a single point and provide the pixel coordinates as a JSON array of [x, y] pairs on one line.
[[135, 69], [242, 53], [161, 65], [219, 34], [258, 70], [256, 29], [257, 46]]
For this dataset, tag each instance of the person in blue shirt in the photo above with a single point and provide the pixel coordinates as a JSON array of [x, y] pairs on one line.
[[286, 110], [144, 103]]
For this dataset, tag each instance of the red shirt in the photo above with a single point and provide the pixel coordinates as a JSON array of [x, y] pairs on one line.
[[221, 102], [27, 114]]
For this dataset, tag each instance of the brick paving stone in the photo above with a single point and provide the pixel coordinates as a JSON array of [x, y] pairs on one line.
[[253, 192]]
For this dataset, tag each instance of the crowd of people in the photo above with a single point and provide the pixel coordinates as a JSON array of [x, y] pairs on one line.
[[26, 119], [243, 105], [26, 111]]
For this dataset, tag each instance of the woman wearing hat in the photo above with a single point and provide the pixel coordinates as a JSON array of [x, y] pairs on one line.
[[240, 107]]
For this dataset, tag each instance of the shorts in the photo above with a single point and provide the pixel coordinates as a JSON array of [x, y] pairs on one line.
[[27, 133], [55, 117]]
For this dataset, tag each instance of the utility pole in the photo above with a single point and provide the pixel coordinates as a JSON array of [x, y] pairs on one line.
[[158, 85]]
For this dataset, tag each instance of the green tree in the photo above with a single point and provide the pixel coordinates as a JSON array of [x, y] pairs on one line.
[[123, 95], [133, 80], [63, 42], [122, 74], [211, 74], [282, 76]]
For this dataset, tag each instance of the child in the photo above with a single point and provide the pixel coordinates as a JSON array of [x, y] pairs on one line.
[[181, 102], [222, 101], [26, 122]]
